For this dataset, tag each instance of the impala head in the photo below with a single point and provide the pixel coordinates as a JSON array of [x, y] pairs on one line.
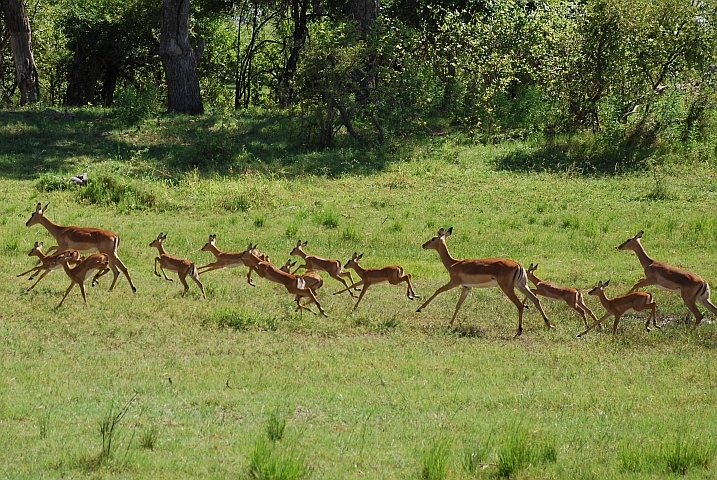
[[532, 268], [157, 242], [67, 256], [36, 250], [434, 242], [353, 261], [251, 255], [287, 266], [299, 248], [38, 214], [631, 243], [208, 246], [599, 288]]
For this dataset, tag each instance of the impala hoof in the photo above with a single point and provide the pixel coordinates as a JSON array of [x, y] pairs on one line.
[[418, 311], [134, 289], [579, 335]]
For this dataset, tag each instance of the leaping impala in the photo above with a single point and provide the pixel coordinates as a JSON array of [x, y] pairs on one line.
[[572, 296], [692, 287], [182, 266], [293, 284], [312, 279], [223, 259], [47, 263], [312, 262], [617, 306], [392, 274], [482, 273], [96, 263], [84, 240]]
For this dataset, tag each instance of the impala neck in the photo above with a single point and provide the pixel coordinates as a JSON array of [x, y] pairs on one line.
[[54, 229], [301, 253], [161, 249], [533, 278], [215, 251], [360, 271], [644, 258], [603, 299], [445, 255], [67, 268]]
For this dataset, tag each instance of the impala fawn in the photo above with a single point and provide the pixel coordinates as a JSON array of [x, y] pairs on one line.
[[617, 306], [182, 266]]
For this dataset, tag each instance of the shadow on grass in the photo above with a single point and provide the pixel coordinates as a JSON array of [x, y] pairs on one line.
[[33, 142], [578, 156]]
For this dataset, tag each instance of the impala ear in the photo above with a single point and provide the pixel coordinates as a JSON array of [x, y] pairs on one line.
[[640, 234], [359, 257], [449, 232], [298, 244], [441, 232], [606, 283]]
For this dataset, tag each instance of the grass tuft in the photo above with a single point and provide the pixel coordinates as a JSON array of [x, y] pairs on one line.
[[682, 454], [148, 439], [268, 463], [434, 460], [522, 449], [275, 426]]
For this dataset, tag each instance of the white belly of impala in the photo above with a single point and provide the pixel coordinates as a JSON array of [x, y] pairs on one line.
[[486, 284]]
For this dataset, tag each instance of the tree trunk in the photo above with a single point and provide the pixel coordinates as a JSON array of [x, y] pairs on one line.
[[179, 59], [21, 41], [299, 9]]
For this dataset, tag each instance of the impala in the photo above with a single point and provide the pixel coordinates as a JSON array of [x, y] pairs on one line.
[[223, 259], [182, 266], [369, 276], [691, 286], [96, 263], [293, 284], [312, 262], [47, 263], [617, 306], [312, 279], [572, 296], [84, 240], [482, 273]]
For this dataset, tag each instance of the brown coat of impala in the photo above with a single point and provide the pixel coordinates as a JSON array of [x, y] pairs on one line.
[[572, 296], [97, 264], [182, 266], [84, 240], [617, 306], [369, 276], [482, 273], [332, 267], [223, 259], [692, 287], [295, 285], [47, 263]]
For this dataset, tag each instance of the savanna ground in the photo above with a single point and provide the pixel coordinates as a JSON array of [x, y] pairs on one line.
[[154, 385]]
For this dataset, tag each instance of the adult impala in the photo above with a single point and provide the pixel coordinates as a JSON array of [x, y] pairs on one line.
[[293, 284], [84, 240], [182, 266], [97, 264], [482, 273], [223, 259], [572, 296], [47, 263], [692, 287], [617, 306], [312, 262], [312, 279], [392, 274]]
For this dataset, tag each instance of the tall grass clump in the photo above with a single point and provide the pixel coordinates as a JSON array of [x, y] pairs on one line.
[[275, 426], [475, 456], [122, 192], [522, 449], [267, 462], [434, 461], [684, 453], [328, 219]]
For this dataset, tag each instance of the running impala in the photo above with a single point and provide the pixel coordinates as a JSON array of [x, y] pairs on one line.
[[482, 273], [84, 240], [692, 287]]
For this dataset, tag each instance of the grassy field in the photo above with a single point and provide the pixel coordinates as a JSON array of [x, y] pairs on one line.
[[150, 384]]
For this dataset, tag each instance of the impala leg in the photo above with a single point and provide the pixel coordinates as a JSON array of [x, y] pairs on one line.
[[38, 280], [410, 292], [585, 308], [707, 303], [348, 288], [643, 282], [363, 291], [598, 322], [693, 308], [316, 301], [33, 269], [531, 296], [66, 293], [444, 288], [300, 307], [652, 316], [115, 273], [83, 292], [464, 293], [195, 276], [117, 263], [98, 275], [614, 325], [182, 279]]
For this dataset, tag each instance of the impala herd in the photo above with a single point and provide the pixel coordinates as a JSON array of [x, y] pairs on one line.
[[467, 274]]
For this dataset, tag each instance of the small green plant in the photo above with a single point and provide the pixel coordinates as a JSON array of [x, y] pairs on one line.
[[475, 455], [259, 221], [148, 439], [350, 234], [228, 317], [43, 422], [292, 230], [53, 183], [266, 463], [109, 426], [434, 460], [329, 219], [275, 425]]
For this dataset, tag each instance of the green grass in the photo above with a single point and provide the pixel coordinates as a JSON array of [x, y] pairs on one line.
[[384, 392]]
